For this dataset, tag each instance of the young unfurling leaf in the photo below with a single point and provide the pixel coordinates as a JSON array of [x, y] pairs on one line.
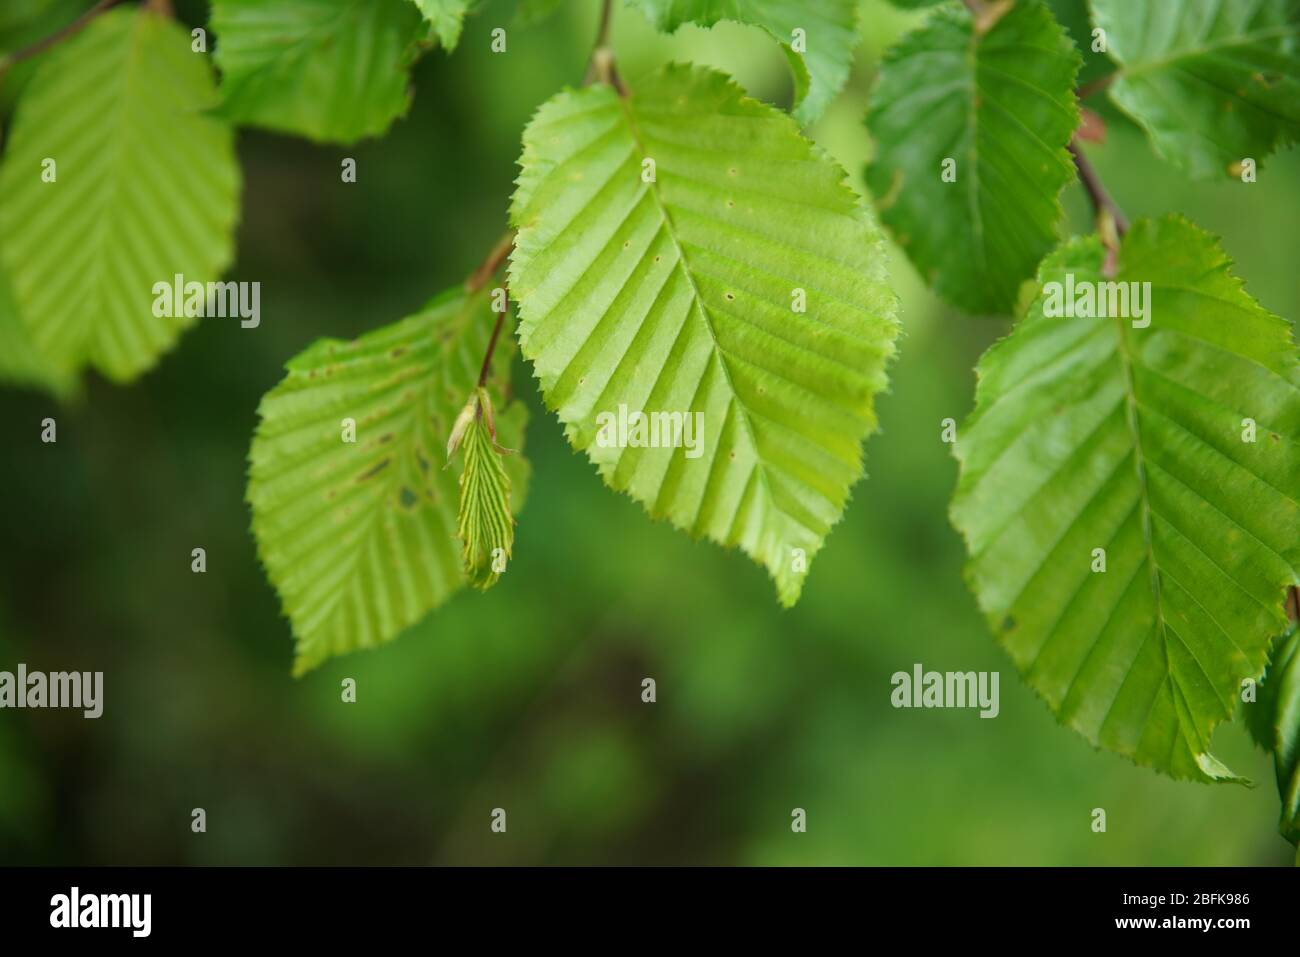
[[485, 526], [359, 538]]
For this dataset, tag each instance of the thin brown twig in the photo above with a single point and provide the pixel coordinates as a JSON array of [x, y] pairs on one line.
[[601, 66], [479, 278], [1097, 85], [986, 13], [491, 263], [40, 46], [606, 18], [1101, 199], [492, 343]]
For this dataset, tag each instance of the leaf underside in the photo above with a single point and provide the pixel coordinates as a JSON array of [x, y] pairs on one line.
[[1001, 106], [1090, 433], [147, 187], [829, 36], [1212, 81], [359, 538], [333, 71], [675, 296]]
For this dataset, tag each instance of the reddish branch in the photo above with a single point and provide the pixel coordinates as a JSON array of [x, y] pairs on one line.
[[40, 46]]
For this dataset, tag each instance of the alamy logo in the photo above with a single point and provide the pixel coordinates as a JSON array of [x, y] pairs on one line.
[[225, 300], [657, 430], [946, 689], [75, 909], [1085, 299], [58, 689]]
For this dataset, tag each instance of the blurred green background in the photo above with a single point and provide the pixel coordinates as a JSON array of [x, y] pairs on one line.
[[528, 697]]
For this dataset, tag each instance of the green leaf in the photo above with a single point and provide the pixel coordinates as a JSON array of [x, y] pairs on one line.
[[1096, 434], [21, 363], [680, 295], [485, 525], [147, 187], [1211, 81], [447, 17], [1001, 106], [1279, 708], [330, 70], [359, 538], [828, 38]]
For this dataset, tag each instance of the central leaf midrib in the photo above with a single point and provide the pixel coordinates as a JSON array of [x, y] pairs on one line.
[[1157, 596], [698, 301], [92, 345]]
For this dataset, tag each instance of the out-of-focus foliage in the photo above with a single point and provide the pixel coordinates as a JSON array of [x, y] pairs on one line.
[[528, 698], [110, 187]]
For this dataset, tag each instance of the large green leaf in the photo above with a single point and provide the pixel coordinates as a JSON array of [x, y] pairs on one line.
[[359, 538], [330, 70], [1001, 105], [1096, 434], [1274, 721], [147, 187], [1212, 81], [447, 17], [678, 295], [829, 36]]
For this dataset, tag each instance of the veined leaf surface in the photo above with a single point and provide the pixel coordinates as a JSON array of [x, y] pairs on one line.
[[1090, 433], [21, 363], [331, 70], [146, 187], [1213, 82], [970, 133], [679, 292]]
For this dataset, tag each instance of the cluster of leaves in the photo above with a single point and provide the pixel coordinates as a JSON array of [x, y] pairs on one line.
[[679, 246], [1136, 439]]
